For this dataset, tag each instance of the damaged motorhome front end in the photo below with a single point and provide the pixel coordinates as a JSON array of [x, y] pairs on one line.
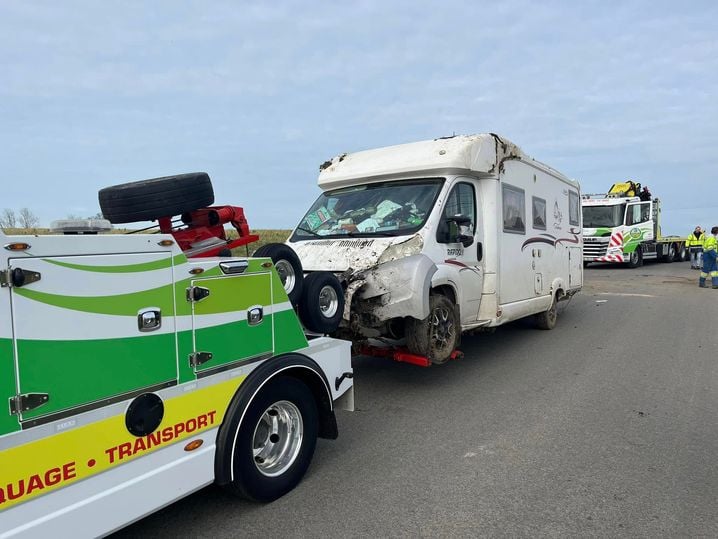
[[430, 239], [380, 276]]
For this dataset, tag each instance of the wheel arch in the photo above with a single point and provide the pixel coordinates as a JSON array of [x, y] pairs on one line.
[[446, 289], [558, 289], [297, 366]]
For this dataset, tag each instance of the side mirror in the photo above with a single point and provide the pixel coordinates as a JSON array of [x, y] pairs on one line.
[[457, 225]]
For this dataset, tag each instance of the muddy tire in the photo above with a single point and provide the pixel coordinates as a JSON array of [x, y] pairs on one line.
[[322, 305], [437, 335], [148, 200], [547, 319], [288, 266]]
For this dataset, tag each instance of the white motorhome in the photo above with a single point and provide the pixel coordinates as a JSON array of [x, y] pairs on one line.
[[434, 238]]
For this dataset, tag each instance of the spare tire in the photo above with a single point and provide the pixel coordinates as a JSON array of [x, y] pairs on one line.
[[148, 200], [322, 305], [288, 266]]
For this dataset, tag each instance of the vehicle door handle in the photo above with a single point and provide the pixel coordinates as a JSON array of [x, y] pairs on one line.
[[149, 319], [479, 251]]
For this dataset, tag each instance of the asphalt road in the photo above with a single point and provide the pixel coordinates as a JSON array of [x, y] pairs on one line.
[[605, 426]]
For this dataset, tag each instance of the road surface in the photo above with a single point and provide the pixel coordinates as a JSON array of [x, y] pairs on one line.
[[605, 426]]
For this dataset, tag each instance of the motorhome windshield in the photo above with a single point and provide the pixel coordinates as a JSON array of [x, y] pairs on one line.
[[375, 209], [603, 216]]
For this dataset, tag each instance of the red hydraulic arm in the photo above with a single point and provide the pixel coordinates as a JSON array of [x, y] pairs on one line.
[[203, 233]]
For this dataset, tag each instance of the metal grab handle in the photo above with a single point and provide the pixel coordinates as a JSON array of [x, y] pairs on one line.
[[149, 319], [234, 267], [255, 315]]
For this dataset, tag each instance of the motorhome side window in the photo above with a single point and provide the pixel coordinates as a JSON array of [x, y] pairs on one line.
[[461, 201], [573, 208], [539, 212], [514, 205]]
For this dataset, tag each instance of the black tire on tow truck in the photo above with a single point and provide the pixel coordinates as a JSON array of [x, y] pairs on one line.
[[274, 440], [288, 266], [148, 200], [322, 305]]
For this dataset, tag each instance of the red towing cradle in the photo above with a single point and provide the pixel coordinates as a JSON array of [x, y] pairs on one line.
[[203, 234], [402, 354]]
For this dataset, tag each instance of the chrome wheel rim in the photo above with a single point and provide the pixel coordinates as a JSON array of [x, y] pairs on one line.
[[442, 327], [277, 438], [328, 301], [286, 274]]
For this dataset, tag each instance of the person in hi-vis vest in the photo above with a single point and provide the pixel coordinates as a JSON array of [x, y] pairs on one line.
[[694, 243]]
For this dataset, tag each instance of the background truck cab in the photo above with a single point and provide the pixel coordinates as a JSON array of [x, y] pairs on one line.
[[433, 238]]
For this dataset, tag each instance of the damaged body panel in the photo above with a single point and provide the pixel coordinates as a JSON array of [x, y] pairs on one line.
[[390, 272]]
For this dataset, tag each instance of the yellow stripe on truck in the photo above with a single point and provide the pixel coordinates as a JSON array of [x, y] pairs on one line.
[[57, 461]]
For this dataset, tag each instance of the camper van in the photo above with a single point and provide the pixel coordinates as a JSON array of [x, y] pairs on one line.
[[435, 238]]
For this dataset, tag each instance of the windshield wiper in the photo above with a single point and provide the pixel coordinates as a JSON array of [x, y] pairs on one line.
[[370, 234], [310, 232]]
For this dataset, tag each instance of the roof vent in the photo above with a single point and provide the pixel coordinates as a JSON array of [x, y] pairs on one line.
[[81, 226]]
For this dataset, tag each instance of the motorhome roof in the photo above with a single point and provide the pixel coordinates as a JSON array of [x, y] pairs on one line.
[[481, 153]]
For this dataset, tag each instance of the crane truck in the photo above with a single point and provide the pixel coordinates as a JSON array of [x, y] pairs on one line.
[[624, 226]]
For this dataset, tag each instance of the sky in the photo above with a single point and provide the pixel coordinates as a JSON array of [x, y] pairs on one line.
[[258, 94]]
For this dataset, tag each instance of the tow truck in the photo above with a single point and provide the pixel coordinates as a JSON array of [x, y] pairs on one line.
[[624, 226], [138, 368]]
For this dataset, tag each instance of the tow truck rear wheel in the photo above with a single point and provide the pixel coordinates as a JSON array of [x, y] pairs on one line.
[[148, 200], [275, 441], [437, 335], [288, 266]]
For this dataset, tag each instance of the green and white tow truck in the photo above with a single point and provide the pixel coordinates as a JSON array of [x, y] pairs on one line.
[[135, 370], [622, 227]]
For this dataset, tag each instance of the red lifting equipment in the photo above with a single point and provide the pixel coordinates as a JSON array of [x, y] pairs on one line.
[[203, 234], [402, 354]]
